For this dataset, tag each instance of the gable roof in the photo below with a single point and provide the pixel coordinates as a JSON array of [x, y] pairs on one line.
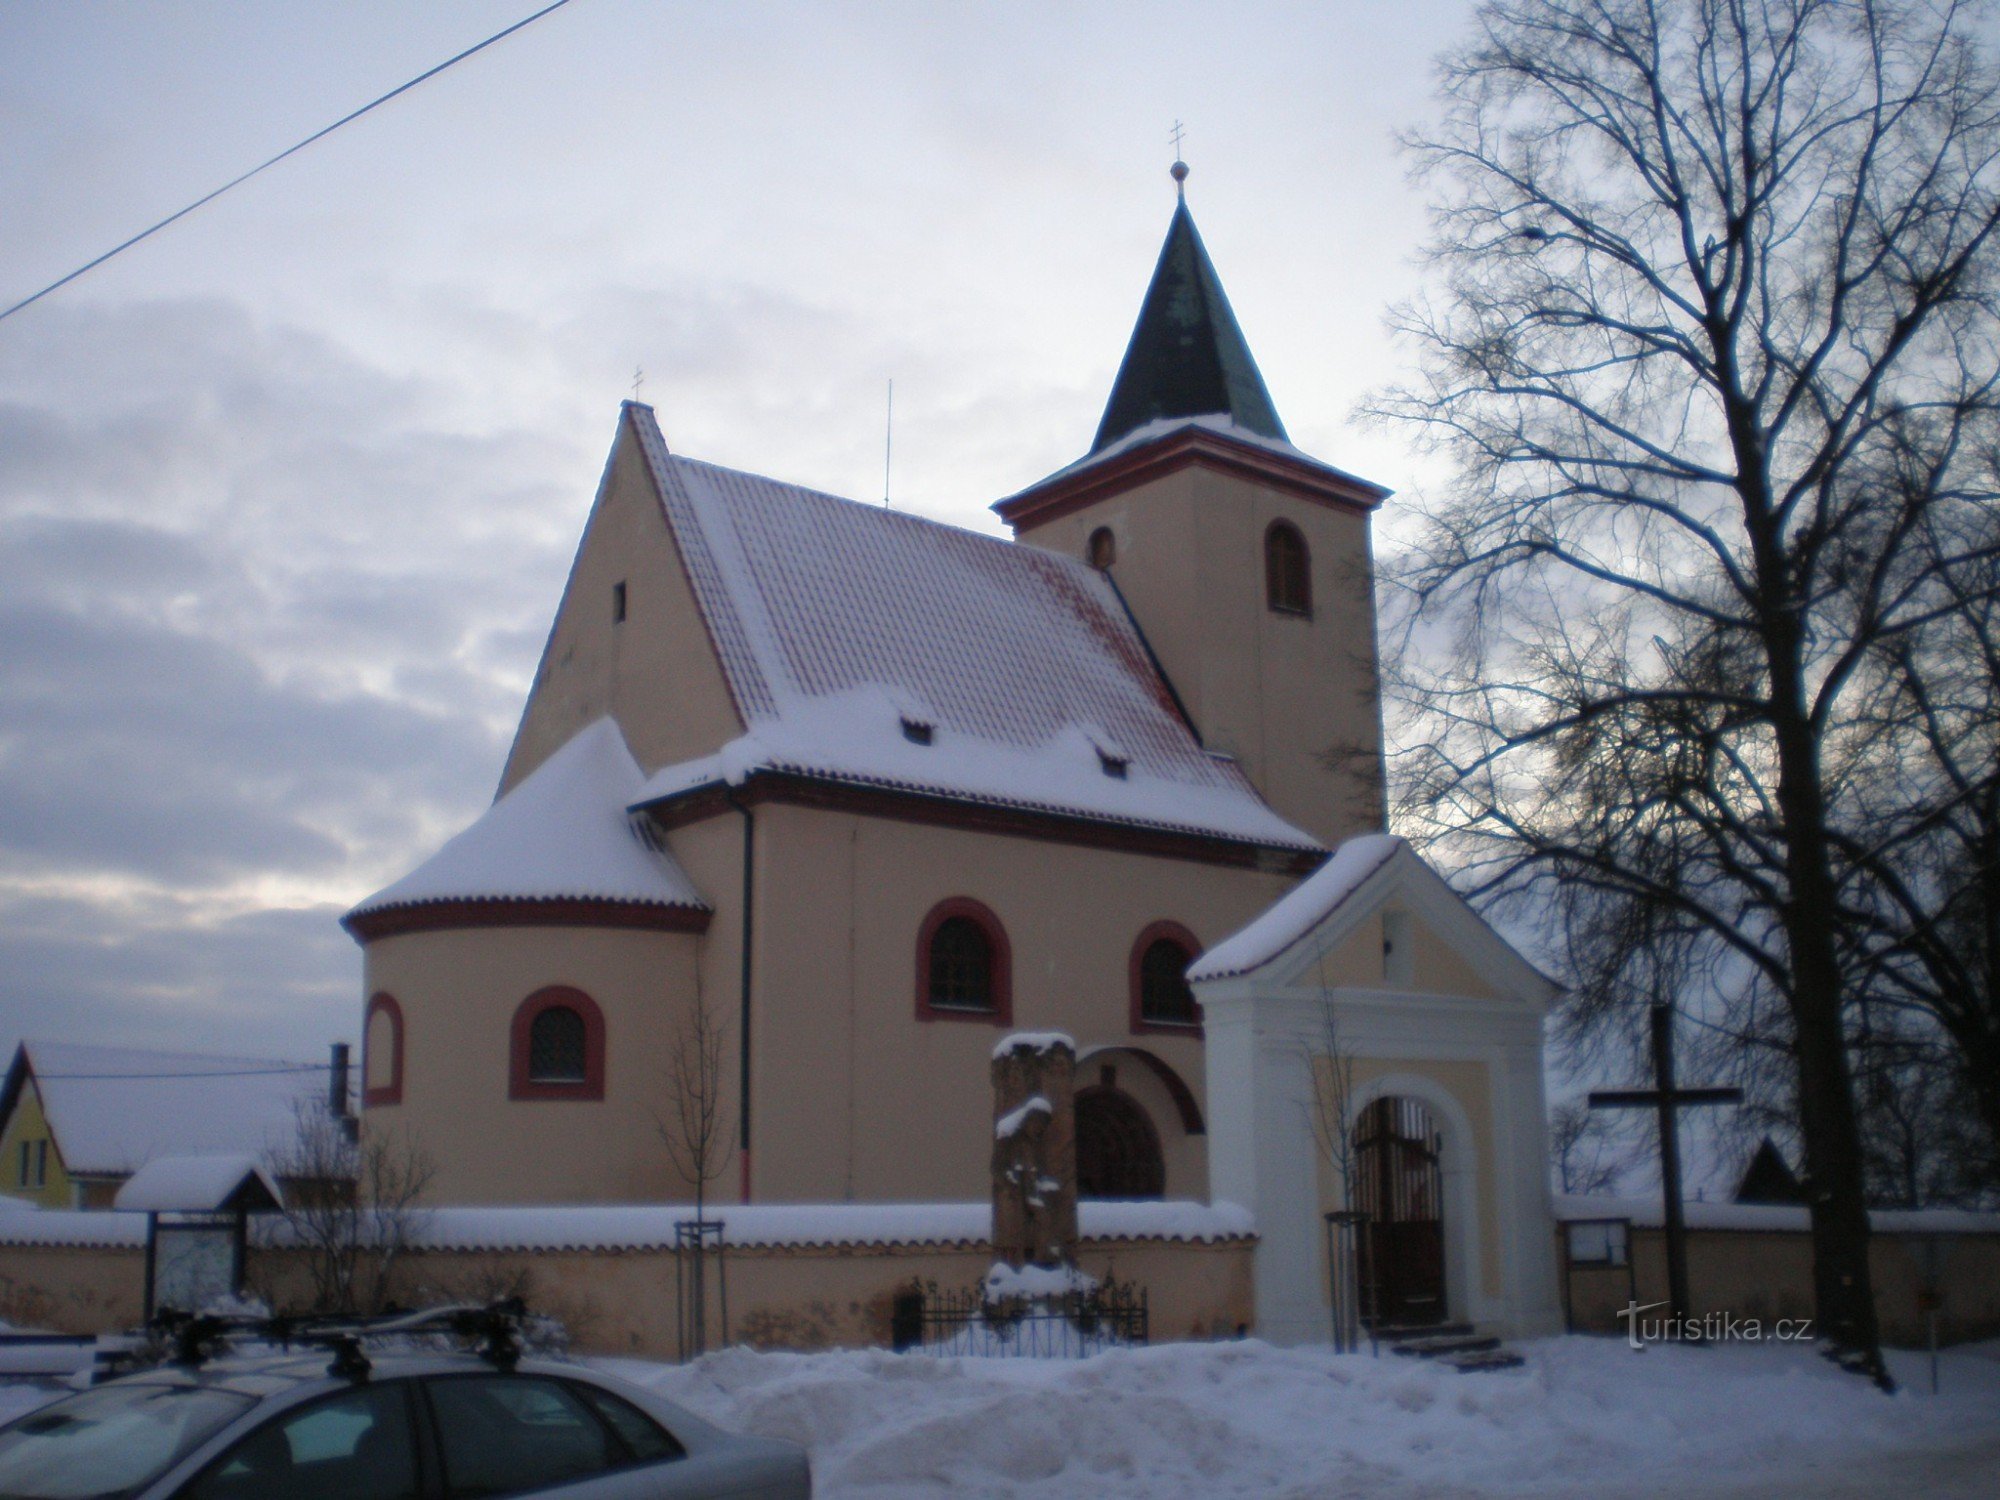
[[561, 834], [111, 1110], [838, 623], [1187, 356], [1362, 875], [199, 1184]]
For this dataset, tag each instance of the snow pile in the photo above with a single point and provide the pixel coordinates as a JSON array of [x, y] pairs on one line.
[[561, 833], [1009, 1125], [1032, 1041], [1585, 1417], [1004, 1282]]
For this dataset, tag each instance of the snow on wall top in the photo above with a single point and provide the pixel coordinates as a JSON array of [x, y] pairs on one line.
[[1647, 1213], [191, 1184], [113, 1109], [561, 833], [1032, 1041], [837, 622], [1300, 910]]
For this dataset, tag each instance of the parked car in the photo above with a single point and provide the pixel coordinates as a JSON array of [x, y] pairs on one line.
[[402, 1427]]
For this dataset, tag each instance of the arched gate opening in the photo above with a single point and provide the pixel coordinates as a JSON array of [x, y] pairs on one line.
[[1400, 1187]]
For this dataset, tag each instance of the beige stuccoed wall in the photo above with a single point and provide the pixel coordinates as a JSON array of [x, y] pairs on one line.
[[656, 673], [855, 1098], [1276, 691], [459, 991]]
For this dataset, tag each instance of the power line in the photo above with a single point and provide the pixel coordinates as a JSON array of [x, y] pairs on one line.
[[288, 151], [214, 1073]]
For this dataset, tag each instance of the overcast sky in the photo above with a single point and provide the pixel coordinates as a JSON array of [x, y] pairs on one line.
[[287, 493]]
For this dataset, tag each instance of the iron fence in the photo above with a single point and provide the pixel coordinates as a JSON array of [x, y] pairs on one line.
[[1070, 1325]]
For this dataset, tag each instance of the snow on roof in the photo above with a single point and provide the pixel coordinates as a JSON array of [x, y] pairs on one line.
[[1647, 1213], [76, 1229], [113, 1109], [1217, 424], [561, 834], [836, 622], [1300, 910], [192, 1184]]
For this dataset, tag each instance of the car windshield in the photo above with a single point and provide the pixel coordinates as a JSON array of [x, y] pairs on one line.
[[110, 1442]]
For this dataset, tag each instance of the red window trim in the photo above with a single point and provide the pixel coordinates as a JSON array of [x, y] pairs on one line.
[[519, 1085], [392, 1091], [1136, 980], [1002, 1013]]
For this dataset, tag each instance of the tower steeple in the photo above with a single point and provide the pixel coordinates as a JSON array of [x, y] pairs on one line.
[[1187, 357]]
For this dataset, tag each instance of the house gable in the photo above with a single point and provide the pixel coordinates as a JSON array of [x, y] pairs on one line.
[[655, 671]]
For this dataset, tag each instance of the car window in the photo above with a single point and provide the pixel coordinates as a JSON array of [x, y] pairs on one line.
[[353, 1446], [503, 1434], [645, 1440], [110, 1442]]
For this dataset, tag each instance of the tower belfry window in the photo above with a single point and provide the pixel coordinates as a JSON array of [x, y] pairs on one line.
[[1287, 570], [618, 602]]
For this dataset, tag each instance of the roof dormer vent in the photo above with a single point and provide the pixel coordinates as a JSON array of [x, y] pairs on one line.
[[1117, 767], [917, 732]]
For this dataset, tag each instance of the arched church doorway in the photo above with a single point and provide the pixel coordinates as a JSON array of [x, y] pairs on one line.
[[1117, 1149], [1399, 1186]]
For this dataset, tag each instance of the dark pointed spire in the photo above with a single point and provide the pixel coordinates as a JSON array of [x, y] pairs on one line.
[[1187, 357]]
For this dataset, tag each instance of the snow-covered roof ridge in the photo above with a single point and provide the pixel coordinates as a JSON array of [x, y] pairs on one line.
[[836, 622], [113, 1109], [1300, 910], [561, 834]]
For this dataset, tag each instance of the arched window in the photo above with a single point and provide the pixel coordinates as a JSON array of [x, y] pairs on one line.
[[557, 1047], [1117, 1149], [1103, 548], [963, 969], [1287, 570], [382, 1052], [1161, 999]]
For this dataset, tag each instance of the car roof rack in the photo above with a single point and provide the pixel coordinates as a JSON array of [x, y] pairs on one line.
[[493, 1330]]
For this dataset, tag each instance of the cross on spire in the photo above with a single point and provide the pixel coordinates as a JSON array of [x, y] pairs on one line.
[[1668, 1102], [1179, 170]]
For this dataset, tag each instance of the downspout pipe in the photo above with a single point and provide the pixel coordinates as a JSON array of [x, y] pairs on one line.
[[743, 1016]]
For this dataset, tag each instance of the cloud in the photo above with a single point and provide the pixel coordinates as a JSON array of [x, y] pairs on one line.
[[266, 613]]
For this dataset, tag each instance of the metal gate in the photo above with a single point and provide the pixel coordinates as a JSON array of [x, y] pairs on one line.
[[1400, 1189]]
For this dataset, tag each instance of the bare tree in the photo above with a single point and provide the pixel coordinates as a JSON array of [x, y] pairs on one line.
[[1331, 1111], [695, 1130], [1589, 1158], [1714, 352], [352, 1207]]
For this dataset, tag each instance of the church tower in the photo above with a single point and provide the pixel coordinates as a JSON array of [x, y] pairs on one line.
[[1245, 562]]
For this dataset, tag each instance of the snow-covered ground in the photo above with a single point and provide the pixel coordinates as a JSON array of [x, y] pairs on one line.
[[1584, 1417]]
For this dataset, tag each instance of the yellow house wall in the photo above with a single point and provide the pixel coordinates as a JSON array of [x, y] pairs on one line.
[[25, 1126], [655, 672], [1276, 691], [853, 1097]]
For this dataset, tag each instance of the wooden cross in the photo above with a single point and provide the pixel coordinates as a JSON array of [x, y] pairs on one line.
[[1667, 1101]]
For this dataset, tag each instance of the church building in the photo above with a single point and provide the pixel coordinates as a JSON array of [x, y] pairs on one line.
[[872, 792]]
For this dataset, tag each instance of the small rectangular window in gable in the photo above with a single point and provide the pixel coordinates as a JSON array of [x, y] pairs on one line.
[[618, 602], [1399, 959]]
